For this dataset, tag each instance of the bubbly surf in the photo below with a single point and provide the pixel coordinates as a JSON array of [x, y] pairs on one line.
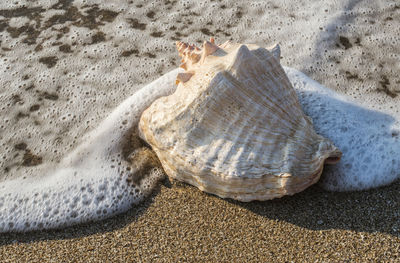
[[90, 183]]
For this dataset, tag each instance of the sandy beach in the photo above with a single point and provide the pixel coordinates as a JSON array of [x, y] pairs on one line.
[[65, 65], [181, 224]]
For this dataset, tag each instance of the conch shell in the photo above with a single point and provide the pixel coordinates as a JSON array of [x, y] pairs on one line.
[[234, 126]]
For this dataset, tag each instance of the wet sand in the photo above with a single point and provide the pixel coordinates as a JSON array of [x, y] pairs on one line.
[[344, 48], [181, 224]]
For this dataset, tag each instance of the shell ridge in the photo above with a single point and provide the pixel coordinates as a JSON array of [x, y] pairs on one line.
[[267, 59], [247, 93], [240, 59], [218, 153]]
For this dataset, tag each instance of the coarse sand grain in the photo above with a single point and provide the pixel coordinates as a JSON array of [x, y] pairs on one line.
[[181, 224]]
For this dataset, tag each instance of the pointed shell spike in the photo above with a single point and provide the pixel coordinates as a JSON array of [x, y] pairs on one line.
[[183, 65], [194, 57], [276, 51], [208, 49], [181, 47], [178, 44]]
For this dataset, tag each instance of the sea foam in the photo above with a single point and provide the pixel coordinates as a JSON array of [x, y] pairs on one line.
[[91, 182], [369, 139]]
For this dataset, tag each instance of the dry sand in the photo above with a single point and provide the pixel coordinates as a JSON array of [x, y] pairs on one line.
[[351, 46]]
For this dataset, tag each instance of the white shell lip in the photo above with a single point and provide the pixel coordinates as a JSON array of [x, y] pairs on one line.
[[234, 126]]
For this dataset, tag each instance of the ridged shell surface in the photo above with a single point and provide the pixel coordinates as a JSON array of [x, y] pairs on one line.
[[234, 126]]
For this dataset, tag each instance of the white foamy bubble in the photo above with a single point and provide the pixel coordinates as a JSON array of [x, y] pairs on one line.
[[18, 21], [90, 183], [369, 139]]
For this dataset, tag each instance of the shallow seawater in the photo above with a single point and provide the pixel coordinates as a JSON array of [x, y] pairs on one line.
[[66, 65]]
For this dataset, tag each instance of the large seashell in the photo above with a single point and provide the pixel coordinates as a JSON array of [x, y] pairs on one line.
[[234, 126]]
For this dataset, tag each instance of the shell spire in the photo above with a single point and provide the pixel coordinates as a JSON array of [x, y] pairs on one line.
[[191, 55], [188, 52]]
